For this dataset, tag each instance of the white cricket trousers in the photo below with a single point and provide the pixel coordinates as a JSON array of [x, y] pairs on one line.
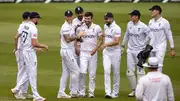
[[87, 62], [30, 60], [132, 61], [111, 58], [160, 55], [21, 71], [69, 67]]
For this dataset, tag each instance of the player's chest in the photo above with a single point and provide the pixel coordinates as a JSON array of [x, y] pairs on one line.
[[135, 30], [109, 32], [156, 26]]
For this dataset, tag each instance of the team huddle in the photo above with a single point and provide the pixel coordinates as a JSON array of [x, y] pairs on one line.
[[80, 40]]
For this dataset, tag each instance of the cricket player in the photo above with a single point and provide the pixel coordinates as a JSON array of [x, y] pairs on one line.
[[137, 35], [77, 22], [154, 86], [111, 55], [29, 40], [69, 64], [88, 53], [19, 59], [161, 30]]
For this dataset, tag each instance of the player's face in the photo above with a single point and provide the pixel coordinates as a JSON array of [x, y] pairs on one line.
[[108, 20], [36, 21], [88, 20], [79, 15], [134, 18], [69, 19], [154, 13]]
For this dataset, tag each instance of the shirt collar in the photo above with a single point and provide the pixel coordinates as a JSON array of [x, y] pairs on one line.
[[90, 26], [31, 23], [158, 19]]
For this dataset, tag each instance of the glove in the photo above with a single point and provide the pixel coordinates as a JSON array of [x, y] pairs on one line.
[[143, 55]]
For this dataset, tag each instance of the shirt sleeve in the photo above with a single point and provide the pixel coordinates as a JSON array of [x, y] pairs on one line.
[[170, 92], [139, 90], [20, 29], [150, 37], [65, 31], [117, 32], [126, 37], [168, 33], [34, 33], [99, 30]]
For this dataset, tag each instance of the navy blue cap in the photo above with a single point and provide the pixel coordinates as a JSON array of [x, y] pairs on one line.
[[156, 7], [79, 9], [25, 15], [34, 15], [68, 13], [135, 12], [108, 15]]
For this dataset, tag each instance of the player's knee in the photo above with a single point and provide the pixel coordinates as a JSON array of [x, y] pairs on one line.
[[130, 72]]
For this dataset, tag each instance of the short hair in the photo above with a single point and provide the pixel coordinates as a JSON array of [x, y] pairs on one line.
[[87, 14]]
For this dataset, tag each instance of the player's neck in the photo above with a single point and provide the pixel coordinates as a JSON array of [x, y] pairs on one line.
[[152, 70], [89, 25], [135, 22], [157, 17]]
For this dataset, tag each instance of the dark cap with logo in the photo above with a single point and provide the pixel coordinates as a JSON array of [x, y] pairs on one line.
[[156, 7], [108, 15], [135, 12], [25, 15], [34, 15], [68, 13], [79, 9]]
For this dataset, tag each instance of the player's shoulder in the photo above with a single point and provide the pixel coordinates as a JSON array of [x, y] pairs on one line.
[[130, 23], [165, 21], [74, 20], [165, 76], [65, 25], [96, 26]]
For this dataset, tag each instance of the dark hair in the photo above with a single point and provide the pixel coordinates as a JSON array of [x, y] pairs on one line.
[[87, 14]]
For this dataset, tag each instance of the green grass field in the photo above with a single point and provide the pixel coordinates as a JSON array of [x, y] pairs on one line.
[[49, 64]]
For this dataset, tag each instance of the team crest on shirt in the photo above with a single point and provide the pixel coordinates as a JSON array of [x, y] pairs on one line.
[[138, 29], [159, 24], [93, 30]]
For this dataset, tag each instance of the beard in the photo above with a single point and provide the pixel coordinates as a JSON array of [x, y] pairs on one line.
[[80, 17], [36, 23], [108, 23]]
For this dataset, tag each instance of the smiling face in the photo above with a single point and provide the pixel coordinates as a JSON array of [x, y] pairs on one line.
[[88, 20]]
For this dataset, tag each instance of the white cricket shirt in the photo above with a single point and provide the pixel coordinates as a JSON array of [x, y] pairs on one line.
[[161, 31], [91, 35], [154, 86], [137, 35], [111, 32], [66, 29]]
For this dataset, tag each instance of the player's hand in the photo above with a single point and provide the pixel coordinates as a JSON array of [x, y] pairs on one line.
[[81, 34], [39, 50], [93, 51], [172, 53], [14, 51], [46, 47]]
